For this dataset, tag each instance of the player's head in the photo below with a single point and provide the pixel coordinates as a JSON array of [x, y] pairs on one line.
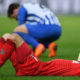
[[13, 10]]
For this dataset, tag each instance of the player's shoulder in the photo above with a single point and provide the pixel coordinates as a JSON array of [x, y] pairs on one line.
[[30, 5], [21, 9], [25, 7]]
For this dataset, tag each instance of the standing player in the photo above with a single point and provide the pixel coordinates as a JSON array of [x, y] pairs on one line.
[[41, 24], [26, 64]]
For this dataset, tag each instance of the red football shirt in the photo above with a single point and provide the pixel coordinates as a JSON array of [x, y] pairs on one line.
[[26, 64]]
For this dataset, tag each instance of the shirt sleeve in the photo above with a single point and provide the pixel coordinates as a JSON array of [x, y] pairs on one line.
[[22, 15]]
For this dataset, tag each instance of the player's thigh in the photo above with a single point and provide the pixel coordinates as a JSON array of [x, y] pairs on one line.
[[21, 28], [42, 31]]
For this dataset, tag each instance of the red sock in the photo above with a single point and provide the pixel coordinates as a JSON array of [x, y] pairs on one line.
[[6, 51], [2, 42], [23, 51]]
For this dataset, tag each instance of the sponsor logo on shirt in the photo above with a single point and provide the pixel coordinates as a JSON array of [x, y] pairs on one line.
[[34, 57], [75, 62]]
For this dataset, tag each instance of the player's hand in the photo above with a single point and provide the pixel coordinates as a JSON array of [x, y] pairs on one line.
[[6, 36]]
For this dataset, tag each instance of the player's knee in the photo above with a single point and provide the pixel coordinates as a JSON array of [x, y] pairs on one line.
[[17, 29], [21, 28]]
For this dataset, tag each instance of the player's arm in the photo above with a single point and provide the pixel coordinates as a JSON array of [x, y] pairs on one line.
[[12, 41], [22, 15], [6, 50]]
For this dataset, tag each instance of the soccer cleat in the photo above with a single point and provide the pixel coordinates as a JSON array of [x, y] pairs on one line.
[[39, 50], [52, 49]]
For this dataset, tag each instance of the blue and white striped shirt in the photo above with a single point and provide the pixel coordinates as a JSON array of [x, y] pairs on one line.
[[36, 14]]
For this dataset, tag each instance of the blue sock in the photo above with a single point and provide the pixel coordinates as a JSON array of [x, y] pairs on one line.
[[28, 39]]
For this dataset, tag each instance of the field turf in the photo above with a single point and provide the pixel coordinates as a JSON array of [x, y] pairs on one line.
[[68, 47]]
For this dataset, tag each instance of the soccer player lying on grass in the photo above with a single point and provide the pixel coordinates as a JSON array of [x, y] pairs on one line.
[[26, 64], [43, 27]]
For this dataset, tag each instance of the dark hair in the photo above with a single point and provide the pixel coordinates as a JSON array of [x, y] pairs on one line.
[[11, 8]]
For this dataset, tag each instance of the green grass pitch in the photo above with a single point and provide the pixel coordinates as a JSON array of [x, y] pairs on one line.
[[68, 47]]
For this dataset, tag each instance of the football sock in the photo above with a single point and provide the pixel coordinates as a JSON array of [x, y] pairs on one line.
[[28, 39], [6, 51]]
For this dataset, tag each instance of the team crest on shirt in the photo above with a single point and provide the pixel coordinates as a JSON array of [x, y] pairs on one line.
[[2, 51]]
